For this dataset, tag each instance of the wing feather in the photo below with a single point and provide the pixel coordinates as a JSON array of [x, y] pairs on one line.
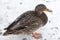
[[20, 22]]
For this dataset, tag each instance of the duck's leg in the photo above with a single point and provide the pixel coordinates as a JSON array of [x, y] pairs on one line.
[[36, 35]]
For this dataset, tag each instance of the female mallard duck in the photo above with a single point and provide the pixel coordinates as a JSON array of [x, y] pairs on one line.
[[29, 22]]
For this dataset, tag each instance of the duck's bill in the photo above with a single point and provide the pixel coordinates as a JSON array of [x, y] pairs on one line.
[[47, 10]]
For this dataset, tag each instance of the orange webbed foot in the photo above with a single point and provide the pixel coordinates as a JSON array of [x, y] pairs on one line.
[[36, 35]]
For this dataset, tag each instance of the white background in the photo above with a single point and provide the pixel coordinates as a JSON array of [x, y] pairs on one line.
[[11, 9]]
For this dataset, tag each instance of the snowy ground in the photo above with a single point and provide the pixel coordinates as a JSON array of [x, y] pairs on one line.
[[11, 9]]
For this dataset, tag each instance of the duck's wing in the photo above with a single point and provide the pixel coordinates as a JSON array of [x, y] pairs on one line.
[[20, 22]]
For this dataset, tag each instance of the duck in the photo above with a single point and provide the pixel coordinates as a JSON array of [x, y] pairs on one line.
[[29, 22]]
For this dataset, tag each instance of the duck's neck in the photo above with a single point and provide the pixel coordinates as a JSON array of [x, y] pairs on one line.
[[39, 13]]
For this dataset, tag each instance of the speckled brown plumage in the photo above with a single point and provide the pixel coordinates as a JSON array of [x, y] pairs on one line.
[[28, 21]]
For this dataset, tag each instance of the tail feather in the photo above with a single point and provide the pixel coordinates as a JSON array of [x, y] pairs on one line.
[[5, 28], [7, 33]]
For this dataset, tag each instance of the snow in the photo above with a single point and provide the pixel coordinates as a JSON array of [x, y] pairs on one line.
[[11, 9]]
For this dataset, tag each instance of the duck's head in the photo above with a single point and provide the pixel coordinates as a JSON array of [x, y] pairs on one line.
[[41, 7]]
